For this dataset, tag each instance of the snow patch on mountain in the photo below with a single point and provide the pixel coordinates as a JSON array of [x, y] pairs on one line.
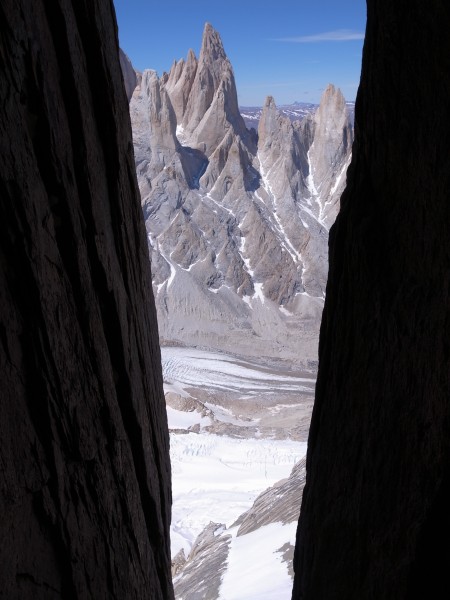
[[271, 579], [233, 231]]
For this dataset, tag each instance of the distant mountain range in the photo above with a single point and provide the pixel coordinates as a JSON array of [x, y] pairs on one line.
[[295, 112], [237, 220]]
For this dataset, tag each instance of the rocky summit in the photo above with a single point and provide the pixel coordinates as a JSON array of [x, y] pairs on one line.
[[237, 221]]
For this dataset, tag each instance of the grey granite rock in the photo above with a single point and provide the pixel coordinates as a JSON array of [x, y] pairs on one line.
[[155, 125], [179, 83], [237, 237], [277, 504], [330, 152], [212, 106], [201, 574]]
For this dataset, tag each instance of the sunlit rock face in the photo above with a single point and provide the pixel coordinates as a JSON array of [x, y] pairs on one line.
[[374, 521], [329, 154], [84, 455], [238, 226], [212, 107]]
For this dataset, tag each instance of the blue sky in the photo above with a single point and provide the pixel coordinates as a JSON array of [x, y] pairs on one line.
[[290, 49]]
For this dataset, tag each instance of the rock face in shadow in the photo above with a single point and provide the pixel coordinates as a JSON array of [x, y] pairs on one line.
[[84, 457], [374, 521], [128, 73]]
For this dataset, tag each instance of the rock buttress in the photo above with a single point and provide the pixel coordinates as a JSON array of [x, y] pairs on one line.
[[375, 521], [84, 451]]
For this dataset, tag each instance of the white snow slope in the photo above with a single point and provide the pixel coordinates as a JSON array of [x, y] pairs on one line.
[[217, 478]]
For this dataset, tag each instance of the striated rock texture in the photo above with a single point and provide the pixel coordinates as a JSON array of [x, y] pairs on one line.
[[330, 153], [200, 575], [84, 458], [277, 504], [374, 521], [157, 126], [179, 83], [212, 108], [237, 226]]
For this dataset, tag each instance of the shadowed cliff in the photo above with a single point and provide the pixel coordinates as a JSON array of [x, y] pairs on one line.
[[374, 521], [84, 452]]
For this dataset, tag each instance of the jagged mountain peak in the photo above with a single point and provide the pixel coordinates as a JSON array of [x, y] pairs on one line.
[[332, 100], [270, 101], [236, 224], [213, 91], [280, 144], [212, 46], [331, 90], [330, 151], [154, 133], [191, 56], [179, 83], [269, 118], [174, 74], [332, 115]]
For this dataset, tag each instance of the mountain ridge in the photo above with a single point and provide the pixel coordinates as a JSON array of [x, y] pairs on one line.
[[237, 222]]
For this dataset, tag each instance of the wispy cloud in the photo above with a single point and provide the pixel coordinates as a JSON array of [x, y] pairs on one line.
[[339, 35]]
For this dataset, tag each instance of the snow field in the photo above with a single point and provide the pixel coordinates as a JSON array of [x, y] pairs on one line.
[[180, 419], [256, 570], [218, 478]]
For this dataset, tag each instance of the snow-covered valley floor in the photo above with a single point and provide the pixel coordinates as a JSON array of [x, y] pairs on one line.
[[228, 440], [217, 478]]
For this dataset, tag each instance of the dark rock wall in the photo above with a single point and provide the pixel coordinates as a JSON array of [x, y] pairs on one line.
[[84, 457], [377, 500]]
